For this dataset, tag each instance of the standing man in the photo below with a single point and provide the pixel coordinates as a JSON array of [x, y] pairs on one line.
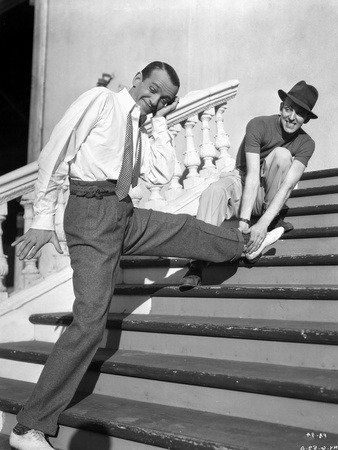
[[101, 146], [270, 161]]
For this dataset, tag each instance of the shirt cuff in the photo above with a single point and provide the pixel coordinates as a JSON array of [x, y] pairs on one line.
[[44, 222], [159, 124]]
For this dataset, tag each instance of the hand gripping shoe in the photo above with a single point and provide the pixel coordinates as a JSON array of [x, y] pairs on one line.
[[270, 238]]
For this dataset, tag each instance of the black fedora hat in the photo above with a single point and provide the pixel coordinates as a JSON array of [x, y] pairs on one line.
[[304, 95]]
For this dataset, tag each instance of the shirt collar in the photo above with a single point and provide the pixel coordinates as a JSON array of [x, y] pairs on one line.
[[128, 103]]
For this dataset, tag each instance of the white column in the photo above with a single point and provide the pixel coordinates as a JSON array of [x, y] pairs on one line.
[[175, 187], [3, 257], [192, 159], [207, 149], [155, 201], [136, 195], [225, 162]]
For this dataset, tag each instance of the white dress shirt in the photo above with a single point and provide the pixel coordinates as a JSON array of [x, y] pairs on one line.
[[88, 144]]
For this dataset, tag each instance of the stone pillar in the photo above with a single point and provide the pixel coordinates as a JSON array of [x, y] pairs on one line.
[[225, 162], [207, 149], [175, 187], [192, 159]]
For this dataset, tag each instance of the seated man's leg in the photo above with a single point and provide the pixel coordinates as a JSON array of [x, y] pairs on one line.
[[219, 202], [274, 169]]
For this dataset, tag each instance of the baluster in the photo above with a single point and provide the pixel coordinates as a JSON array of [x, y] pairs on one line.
[[136, 195], [207, 149], [192, 159], [225, 162], [30, 272], [175, 187], [155, 201], [3, 257]]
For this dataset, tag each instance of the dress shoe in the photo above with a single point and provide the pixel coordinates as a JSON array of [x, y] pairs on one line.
[[29, 440], [279, 222], [270, 238], [191, 279]]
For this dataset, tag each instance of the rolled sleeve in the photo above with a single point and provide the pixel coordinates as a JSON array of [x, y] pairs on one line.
[[159, 157]]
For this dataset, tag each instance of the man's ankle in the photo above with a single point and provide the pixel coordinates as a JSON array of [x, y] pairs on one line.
[[20, 429]]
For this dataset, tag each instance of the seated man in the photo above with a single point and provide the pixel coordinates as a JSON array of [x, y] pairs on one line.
[[270, 161]]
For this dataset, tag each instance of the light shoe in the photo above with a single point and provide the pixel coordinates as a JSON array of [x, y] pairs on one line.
[[31, 440], [270, 238]]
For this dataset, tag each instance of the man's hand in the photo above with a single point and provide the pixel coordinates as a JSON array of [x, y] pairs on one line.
[[243, 227], [257, 236], [163, 112], [33, 240]]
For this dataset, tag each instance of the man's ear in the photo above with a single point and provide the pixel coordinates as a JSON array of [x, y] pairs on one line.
[[281, 106], [307, 119], [138, 78]]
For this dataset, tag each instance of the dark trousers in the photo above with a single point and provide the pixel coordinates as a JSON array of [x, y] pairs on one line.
[[99, 229]]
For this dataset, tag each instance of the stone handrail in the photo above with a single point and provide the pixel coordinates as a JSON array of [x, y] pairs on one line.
[[196, 102], [18, 182]]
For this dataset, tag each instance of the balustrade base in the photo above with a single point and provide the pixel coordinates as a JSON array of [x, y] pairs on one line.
[[190, 183], [206, 173], [3, 296], [226, 164]]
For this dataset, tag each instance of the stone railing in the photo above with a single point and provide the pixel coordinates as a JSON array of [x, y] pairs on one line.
[[196, 167]]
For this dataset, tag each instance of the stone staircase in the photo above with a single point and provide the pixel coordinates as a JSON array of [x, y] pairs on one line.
[[248, 361]]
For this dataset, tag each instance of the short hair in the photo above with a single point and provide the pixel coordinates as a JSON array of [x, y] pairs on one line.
[[155, 65]]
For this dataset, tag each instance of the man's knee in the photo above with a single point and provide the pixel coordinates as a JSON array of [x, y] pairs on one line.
[[282, 157], [219, 189]]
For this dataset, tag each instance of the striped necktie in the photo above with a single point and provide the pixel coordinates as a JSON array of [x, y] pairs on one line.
[[126, 173]]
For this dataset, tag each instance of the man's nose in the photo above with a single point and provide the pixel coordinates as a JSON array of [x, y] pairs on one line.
[[155, 98], [293, 115]]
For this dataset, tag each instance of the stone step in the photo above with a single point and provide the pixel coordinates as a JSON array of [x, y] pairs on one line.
[[163, 426], [326, 177], [288, 246], [325, 215], [223, 327], [247, 302], [301, 270], [284, 342], [311, 233], [222, 387], [313, 196], [302, 241], [313, 191]]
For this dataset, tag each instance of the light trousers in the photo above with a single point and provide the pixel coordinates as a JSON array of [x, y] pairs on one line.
[[222, 199]]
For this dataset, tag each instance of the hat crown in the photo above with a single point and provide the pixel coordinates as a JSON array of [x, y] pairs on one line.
[[306, 93]]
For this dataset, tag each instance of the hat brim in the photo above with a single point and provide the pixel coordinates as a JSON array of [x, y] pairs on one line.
[[282, 96]]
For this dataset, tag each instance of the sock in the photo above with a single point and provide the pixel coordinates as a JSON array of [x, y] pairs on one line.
[[246, 238], [20, 429]]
